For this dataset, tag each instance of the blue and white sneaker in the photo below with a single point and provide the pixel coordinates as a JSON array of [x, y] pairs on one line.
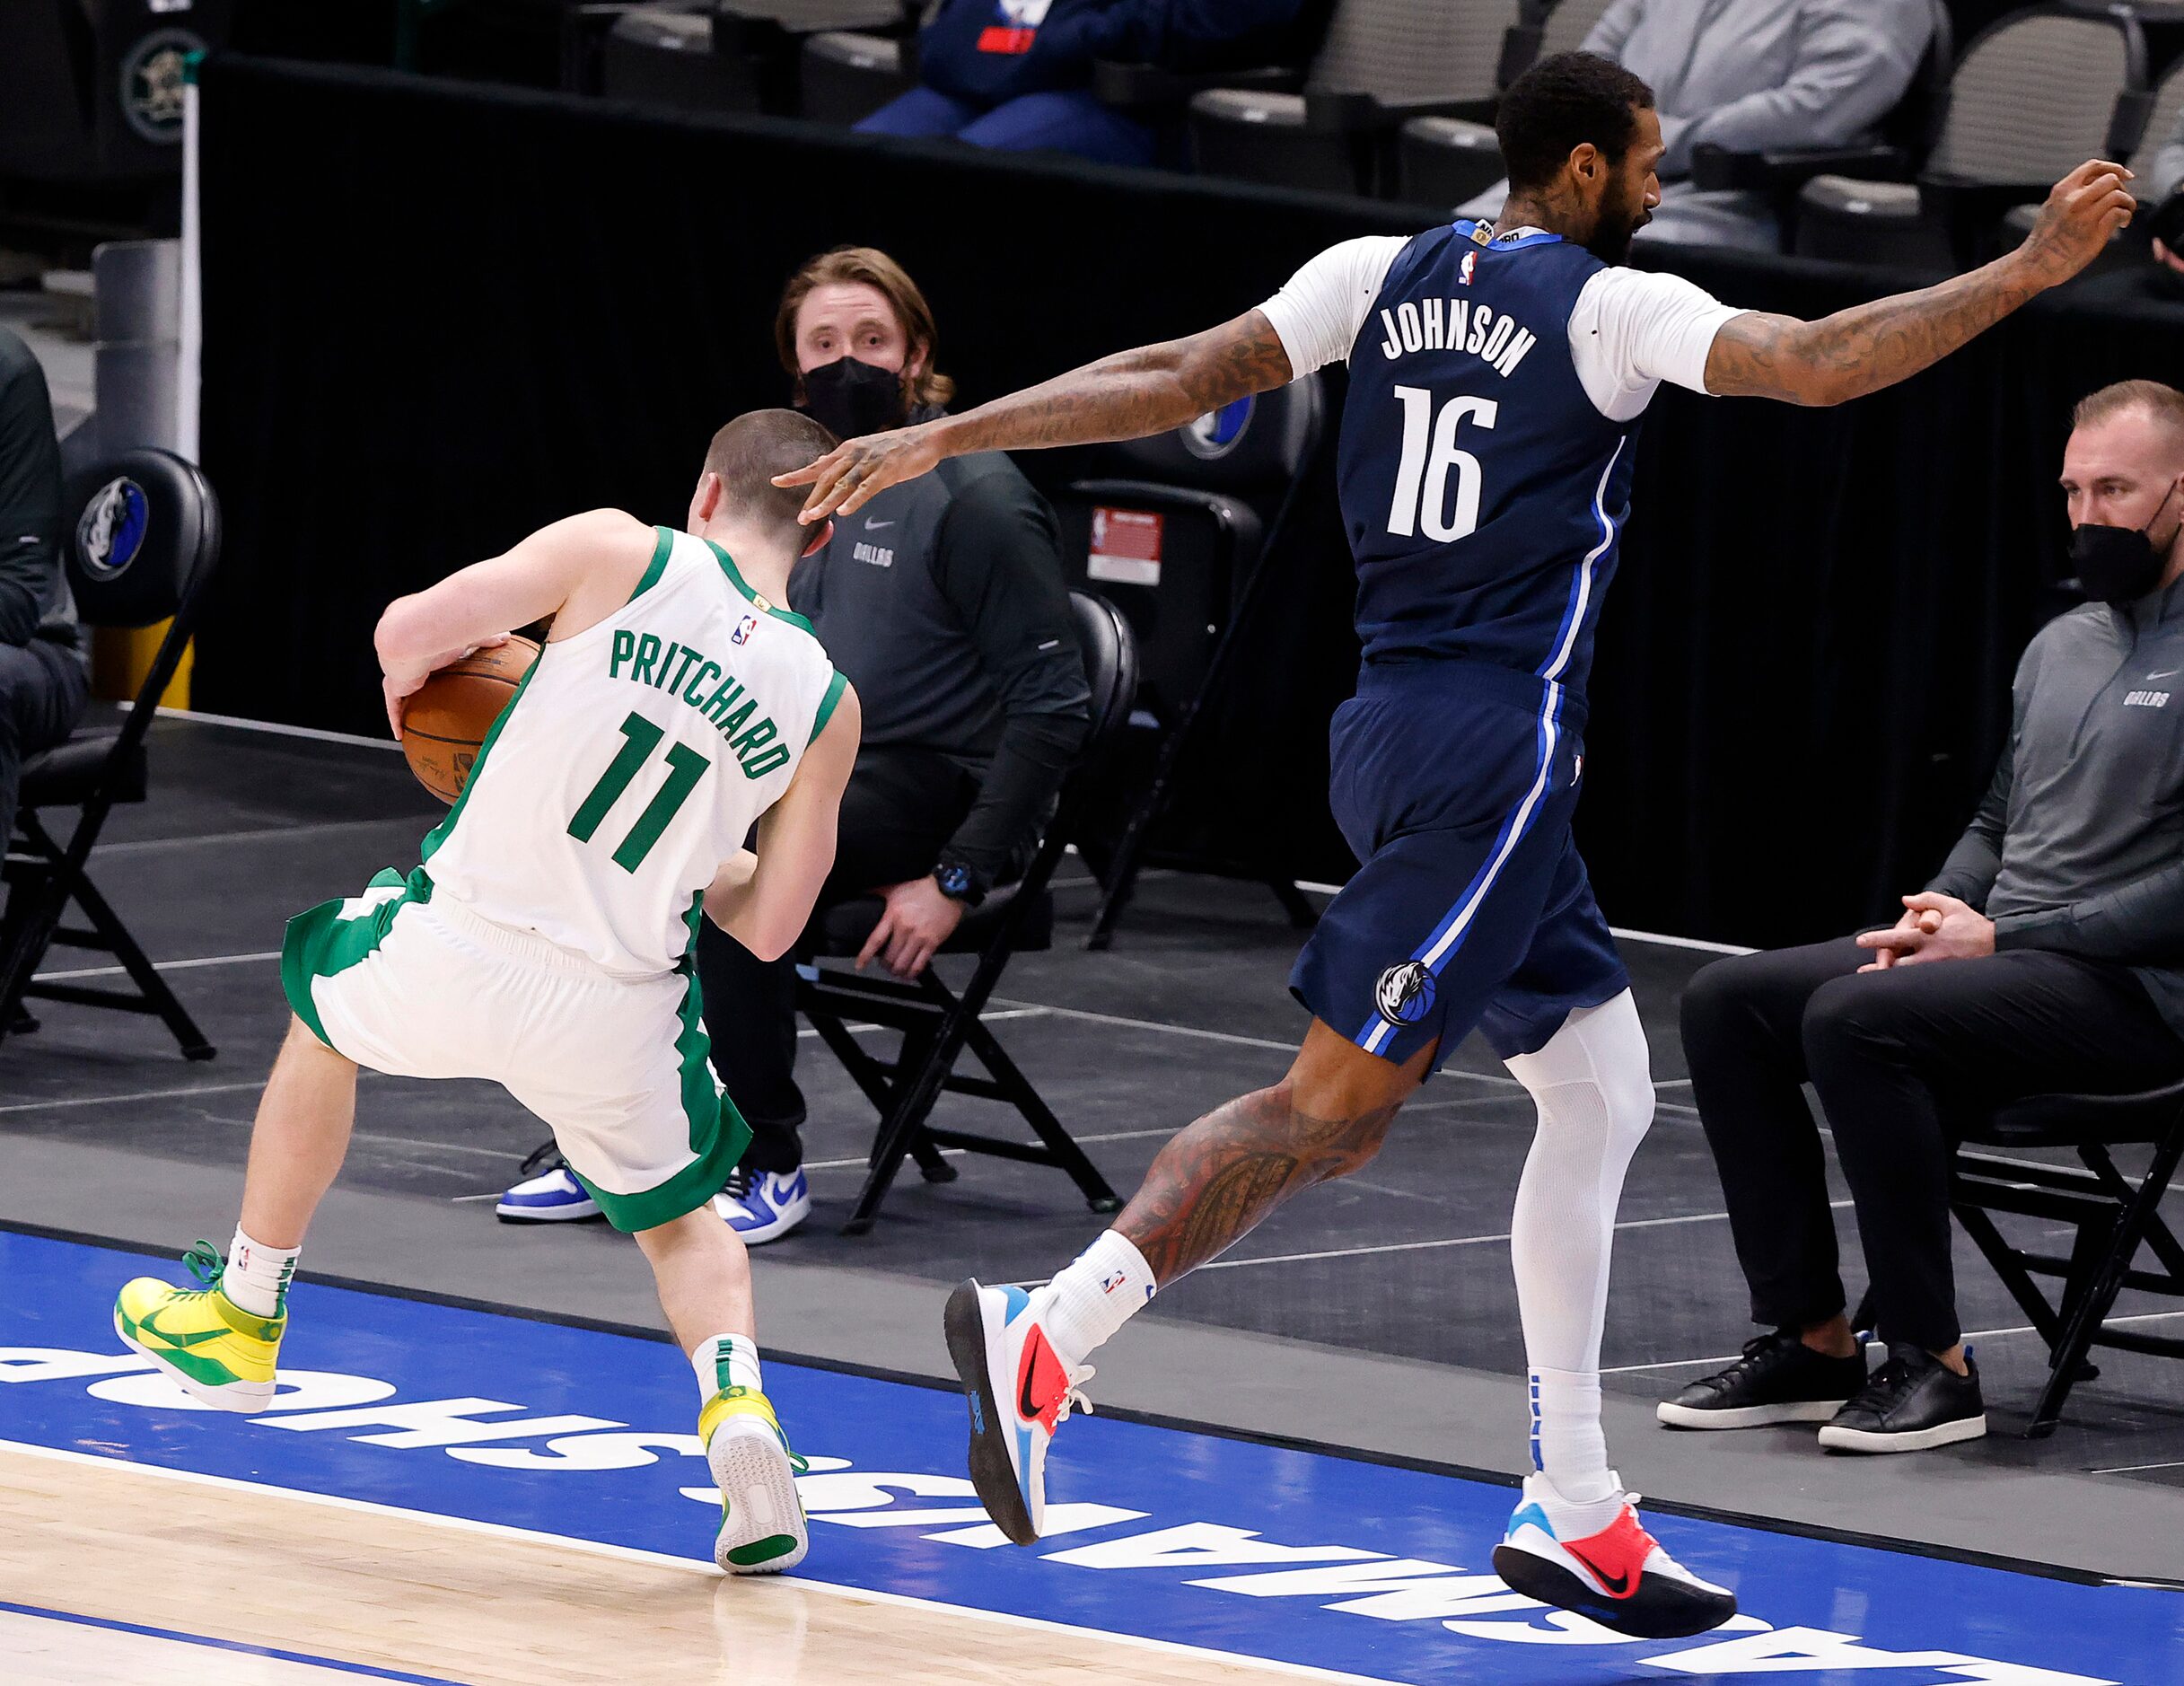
[[1019, 1392], [763, 1206], [1620, 1577], [552, 1197]]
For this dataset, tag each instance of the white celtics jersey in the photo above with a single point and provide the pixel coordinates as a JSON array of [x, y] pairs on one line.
[[635, 759]]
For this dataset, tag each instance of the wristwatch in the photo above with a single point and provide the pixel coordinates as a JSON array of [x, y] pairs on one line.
[[958, 884]]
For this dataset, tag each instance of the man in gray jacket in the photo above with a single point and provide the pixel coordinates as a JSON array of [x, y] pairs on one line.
[[43, 677], [2047, 956], [1752, 76]]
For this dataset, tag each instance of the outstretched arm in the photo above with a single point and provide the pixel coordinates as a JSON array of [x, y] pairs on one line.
[[1868, 346], [1125, 396]]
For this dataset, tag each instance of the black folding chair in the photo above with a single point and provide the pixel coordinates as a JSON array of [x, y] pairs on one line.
[[140, 552], [938, 1023], [2112, 1216], [1177, 546]]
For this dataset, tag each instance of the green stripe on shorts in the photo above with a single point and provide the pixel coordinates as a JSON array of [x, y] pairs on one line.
[[319, 943], [719, 1137]]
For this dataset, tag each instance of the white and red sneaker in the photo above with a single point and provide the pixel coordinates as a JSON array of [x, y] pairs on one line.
[[1019, 1392], [1619, 1577]]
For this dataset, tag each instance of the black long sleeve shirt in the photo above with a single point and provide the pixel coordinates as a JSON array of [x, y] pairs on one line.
[[944, 601], [2078, 845], [34, 600]]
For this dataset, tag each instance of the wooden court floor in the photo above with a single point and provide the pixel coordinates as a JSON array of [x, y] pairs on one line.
[[367, 1592]]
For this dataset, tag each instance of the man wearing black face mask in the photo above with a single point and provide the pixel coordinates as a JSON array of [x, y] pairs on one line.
[[945, 604], [2060, 913]]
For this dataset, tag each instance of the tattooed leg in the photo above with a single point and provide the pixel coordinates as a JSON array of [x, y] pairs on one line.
[[1216, 1179]]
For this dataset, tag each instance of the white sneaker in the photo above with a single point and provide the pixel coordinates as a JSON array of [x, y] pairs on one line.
[[1019, 1395], [763, 1206], [555, 1197], [1620, 1577]]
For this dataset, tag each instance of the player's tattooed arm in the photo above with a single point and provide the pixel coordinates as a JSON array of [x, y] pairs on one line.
[[1126, 396], [1869, 346]]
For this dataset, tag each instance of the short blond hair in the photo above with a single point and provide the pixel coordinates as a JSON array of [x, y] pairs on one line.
[[872, 267], [2163, 403]]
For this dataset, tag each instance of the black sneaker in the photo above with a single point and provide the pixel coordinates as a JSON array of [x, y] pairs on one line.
[[1914, 1403], [1778, 1380]]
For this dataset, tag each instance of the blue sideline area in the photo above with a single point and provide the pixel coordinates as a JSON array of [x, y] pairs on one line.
[[1374, 1571]]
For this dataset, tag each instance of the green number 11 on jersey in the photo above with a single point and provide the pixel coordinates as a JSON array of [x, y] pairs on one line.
[[685, 768]]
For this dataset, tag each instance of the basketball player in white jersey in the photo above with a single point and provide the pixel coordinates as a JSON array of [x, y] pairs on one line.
[[545, 941]]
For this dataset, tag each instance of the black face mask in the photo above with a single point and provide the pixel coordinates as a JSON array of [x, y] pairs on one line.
[[849, 397], [2117, 564]]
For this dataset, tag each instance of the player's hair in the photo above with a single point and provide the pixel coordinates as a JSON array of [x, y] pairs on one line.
[[1559, 104], [2163, 403], [756, 445], [874, 269]]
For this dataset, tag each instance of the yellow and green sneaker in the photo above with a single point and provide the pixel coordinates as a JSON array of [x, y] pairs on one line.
[[201, 1340], [762, 1527]]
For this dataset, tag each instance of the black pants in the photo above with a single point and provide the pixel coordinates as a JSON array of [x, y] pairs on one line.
[[42, 688], [900, 806], [1895, 1055]]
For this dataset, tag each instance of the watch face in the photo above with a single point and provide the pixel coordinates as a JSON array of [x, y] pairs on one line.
[[955, 879]]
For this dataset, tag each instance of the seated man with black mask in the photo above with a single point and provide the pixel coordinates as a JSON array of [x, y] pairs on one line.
[[2046, 957], [943, 602]]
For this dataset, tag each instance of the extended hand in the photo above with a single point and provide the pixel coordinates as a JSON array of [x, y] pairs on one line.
[[846, 476], [919, 918], [2084, 210]]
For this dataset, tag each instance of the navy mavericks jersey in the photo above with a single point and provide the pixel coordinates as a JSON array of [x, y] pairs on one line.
[[1483, 491]]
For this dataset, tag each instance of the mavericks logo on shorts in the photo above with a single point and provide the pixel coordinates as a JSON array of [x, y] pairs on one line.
[[1404, 994]]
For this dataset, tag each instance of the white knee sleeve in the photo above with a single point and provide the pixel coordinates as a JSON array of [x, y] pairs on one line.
[[1593, 1088]]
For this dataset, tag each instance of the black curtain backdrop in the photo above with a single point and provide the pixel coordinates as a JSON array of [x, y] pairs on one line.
[[438, 316]]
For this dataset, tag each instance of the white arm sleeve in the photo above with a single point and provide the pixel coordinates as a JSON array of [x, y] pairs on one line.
[[1318, 314], [1631, 330]]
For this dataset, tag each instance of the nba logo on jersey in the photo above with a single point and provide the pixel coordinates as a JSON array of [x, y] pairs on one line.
[[1470, 262], [743, 629]]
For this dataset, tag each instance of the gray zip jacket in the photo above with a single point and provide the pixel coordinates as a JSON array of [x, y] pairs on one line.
[[2078, 846]]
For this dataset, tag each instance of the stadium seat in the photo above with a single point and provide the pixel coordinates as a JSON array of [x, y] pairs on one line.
[[726, 55], [2110, 1218], [1177, 546], [2033, 97], [1443, 161], [1382, 62], [2168, 106], [1907, 136], [938, 1023], [140, 551], [847, 74]]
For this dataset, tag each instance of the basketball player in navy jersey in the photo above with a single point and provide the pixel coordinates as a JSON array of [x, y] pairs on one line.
[[1497, 373]]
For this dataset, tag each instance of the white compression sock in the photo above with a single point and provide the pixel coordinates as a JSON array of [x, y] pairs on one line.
[[1095, 1296], [727, 1361], [1595, 1090], [257, 1275]]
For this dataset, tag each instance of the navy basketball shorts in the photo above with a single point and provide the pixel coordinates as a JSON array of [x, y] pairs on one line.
[[1455, 783]]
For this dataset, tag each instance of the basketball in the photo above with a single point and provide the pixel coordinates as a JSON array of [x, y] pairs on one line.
[[446, 720]]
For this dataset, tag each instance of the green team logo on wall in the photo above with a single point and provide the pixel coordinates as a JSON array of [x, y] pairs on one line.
[[152, 72]]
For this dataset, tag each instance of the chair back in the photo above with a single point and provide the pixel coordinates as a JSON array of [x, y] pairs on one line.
[[1915, 123], [2039, 92], [2168, 106], [147, 530], [1401, 50], [1567, 23], [1110, 673], [1256, 445]]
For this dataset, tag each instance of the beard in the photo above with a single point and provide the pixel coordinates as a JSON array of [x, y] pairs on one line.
[[1618, 221]]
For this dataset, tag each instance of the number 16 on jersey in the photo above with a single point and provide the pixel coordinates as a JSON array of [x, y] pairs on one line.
[[1430, 457]]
